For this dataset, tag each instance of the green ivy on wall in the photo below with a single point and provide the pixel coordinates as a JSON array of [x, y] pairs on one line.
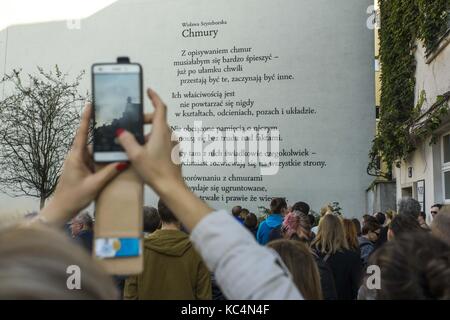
[[403, 22]]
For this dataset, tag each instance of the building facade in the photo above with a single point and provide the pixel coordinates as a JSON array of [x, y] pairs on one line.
[[425, 174]]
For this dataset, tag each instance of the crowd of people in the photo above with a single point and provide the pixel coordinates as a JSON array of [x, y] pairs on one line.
[[194, 252]]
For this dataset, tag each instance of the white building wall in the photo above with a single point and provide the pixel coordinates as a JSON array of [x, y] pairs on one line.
[[434, 79]]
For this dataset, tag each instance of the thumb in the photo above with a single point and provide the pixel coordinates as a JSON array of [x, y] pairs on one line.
[[129, 144], [106, 174]]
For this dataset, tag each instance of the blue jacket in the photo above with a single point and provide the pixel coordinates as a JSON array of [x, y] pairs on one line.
[[273, 221], [366, 247]]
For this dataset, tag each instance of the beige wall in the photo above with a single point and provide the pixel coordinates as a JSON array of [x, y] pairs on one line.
[[434, 78]]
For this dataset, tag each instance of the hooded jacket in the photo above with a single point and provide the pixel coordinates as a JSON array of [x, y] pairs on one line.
[[366, 247], [273, 221], [172, 270]]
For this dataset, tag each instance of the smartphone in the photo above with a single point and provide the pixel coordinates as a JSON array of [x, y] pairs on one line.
[[117, 103]]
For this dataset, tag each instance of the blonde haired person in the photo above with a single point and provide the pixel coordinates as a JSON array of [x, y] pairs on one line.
[[390, 214], [326, 209], [331, 246]]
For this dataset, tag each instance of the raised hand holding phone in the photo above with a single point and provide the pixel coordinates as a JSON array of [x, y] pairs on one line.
[[153, 162]]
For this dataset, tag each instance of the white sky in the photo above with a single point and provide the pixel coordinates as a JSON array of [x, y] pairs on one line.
[[33, 11]]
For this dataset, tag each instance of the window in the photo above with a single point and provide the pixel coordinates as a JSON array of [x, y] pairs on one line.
[[446, 166]]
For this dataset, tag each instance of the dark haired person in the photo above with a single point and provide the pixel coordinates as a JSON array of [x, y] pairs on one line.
[[409, 206], [244, 213], [403, 223], [173, 270], [278, 208], [236, 212], [302, 207], [370, 233], [251, 223], [152, 222], [415, 266], [423, 220], [82, 230], [435, 208], [381, 218]]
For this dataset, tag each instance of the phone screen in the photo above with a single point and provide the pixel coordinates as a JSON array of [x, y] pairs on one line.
[[117, 104]]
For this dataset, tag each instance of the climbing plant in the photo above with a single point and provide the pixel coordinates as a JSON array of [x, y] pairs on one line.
[[403, 22]]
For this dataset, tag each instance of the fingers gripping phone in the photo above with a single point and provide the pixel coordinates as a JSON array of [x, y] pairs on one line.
[[117, 102]]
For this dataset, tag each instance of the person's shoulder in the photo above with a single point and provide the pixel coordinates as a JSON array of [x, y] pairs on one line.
[[352, 256], [85, 234], [261, 225], [348, 254]]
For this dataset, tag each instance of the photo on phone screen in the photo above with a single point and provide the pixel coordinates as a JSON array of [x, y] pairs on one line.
[[117, 97]]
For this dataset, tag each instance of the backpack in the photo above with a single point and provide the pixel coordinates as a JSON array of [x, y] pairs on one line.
[[275, 233], [326, 277]]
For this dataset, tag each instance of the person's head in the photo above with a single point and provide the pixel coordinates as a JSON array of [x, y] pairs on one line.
[[403, 223], [381, 217], [409, 206], [37, 263], [357, 226], [301, 264], [236, 211], [367, 217], [251, 221], [312, 220], [166, 215], [413, 266], [82, 221], [351, 234], [297, 224], [244, 213], [371, 230], [152, 221], [435, 208], [390, 215], [331, 236], [440, 227], [301, 206], [326, 209], [278, 205], [422, 218]]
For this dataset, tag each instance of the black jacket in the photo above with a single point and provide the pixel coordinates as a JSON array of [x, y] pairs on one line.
[[346, 267], [326, 279], [85, 238]]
